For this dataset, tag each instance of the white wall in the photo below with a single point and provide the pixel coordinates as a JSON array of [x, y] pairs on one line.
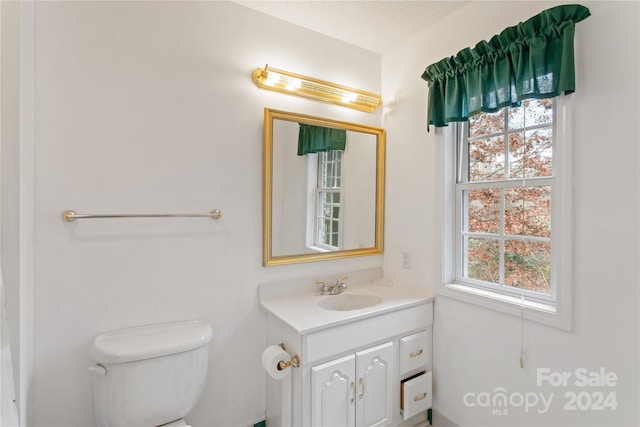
[[17, 186], [477, 350], [149, 107], [359, 191], [10, 158], [289, 191]]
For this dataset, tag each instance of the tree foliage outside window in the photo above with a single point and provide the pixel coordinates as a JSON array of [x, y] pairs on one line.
[[504, 190]]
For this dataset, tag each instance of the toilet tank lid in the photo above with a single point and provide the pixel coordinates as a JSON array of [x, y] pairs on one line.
[[146, 342]]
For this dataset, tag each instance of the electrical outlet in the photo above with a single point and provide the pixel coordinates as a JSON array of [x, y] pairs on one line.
[[406, 260]]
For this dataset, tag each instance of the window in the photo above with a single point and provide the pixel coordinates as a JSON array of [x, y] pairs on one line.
[[507, 211], [328, 195], [503, 200]]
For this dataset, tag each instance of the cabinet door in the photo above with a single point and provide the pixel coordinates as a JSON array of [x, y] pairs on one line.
[[333, 393], [374, 388]]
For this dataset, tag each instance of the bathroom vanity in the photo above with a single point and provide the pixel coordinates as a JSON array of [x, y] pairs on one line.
[[365, 356]]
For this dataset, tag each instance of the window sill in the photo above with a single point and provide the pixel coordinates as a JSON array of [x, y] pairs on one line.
[[318, 249], [536, 311]]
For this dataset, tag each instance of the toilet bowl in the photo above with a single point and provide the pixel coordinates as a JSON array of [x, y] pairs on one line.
[[150, 375]]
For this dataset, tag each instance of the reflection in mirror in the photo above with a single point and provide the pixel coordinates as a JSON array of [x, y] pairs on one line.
[[323, 188]]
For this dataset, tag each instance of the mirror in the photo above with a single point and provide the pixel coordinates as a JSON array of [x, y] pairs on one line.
[[326, 204]]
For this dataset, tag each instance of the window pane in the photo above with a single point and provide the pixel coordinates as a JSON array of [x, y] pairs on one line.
[[533, 112], [325, 171], [516, 117], [324, 204], [326, 231], [539, 152], [517, 152], [486, 159], [538, 111], [486, 124], [483, 209], [482, 259], [527, 211], [530, 153], [334, 236], [527, 265], [326, 212]]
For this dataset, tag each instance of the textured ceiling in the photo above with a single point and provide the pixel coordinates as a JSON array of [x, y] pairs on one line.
[[371, 24]]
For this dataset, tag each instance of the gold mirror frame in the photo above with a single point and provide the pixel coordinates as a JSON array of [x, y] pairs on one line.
[[268, 259]]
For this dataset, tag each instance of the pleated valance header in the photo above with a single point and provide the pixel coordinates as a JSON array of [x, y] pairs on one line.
[[534, 59], [316, 139]]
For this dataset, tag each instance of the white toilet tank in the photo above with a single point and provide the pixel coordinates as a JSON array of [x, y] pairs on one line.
[[150, 375]]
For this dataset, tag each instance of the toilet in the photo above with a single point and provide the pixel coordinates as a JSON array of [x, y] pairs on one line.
[[151, 375]]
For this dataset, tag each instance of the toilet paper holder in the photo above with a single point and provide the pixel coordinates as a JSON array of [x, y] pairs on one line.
[[295, 361]]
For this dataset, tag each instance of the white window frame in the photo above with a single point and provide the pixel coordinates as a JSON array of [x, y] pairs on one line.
[[553, 311], [314, 209]]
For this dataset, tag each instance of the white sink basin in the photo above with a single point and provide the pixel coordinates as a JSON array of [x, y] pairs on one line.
[[346, 302]]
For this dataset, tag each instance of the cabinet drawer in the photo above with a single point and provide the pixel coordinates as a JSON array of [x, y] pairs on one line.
[[415, 351], [415, 395]]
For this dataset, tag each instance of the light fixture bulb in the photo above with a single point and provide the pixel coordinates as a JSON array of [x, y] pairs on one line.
[[293, 83], [273, 78], [348, 97]]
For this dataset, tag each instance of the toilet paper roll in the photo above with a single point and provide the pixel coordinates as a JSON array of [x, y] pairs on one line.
[[271, 356]]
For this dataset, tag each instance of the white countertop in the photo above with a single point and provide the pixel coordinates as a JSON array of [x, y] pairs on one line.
[[304, 314]]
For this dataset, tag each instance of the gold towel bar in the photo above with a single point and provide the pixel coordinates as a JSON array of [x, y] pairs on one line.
[[69, 215]]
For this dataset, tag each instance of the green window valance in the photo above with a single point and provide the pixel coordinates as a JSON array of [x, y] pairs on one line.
[[533, 59], [314, 139]]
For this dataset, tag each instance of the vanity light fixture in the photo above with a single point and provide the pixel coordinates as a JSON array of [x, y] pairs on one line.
[[317, 90]]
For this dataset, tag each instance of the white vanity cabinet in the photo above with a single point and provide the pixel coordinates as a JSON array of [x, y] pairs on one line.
[[355, 390], [357, 366]]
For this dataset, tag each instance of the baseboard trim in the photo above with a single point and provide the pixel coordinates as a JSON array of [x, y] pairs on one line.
[[257, 422], [442, 420]]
